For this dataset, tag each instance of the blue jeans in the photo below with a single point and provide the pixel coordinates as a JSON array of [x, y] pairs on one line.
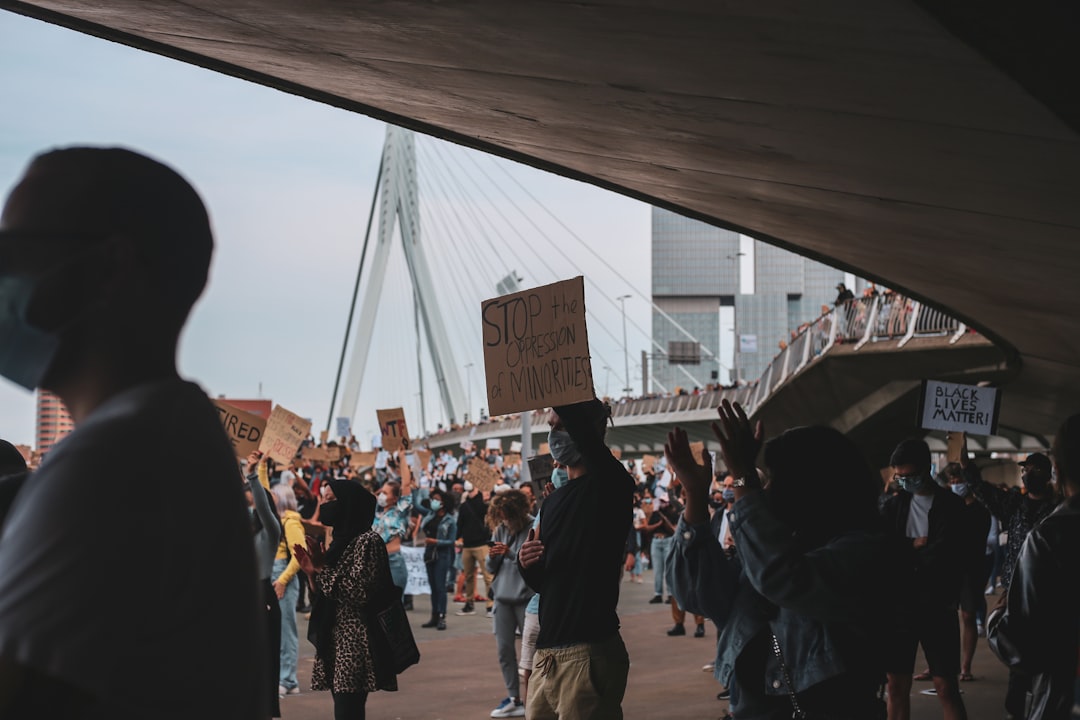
[[444, 558], [399, 571], [290, 638], [659, 552]]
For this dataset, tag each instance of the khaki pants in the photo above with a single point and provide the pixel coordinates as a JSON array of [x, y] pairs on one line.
[[470, 558], [582, 682]]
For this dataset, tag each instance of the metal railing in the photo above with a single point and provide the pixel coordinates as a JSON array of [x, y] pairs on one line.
[[879, 318]]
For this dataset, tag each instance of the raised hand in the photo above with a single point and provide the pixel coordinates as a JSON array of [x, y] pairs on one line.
[[695, 478], [739, 445]]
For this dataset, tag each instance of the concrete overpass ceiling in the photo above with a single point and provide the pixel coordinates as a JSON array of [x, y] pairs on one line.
[[935, 149]]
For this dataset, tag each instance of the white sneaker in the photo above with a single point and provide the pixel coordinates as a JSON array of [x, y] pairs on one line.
[[282, 691], [509, 707]]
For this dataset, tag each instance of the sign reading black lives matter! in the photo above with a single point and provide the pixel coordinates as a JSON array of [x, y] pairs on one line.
[[959, 408], [536, 348]]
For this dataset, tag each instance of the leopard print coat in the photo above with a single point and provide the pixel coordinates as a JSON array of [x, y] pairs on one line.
[[351, 582]]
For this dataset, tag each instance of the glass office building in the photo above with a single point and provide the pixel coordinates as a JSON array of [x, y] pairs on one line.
[[725, 302]]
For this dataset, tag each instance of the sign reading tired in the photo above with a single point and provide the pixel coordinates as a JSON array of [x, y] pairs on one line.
[[392, 427], [285, 432], [962, 408], [536, 348], [245, 430]]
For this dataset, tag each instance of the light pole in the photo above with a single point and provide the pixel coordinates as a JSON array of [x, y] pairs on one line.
[[626, 351], [468, 384], [607, 381]]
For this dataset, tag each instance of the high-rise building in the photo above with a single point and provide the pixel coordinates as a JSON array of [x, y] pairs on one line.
[[54, 422], [737, 297]]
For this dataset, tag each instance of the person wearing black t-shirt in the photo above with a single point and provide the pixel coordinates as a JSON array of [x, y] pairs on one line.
[[574, 561]]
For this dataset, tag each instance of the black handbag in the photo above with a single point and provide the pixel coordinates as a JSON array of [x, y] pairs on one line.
[[393, 624]]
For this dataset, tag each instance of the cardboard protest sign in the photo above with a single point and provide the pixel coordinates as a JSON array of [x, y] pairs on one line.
[[362, 459], [317, 454], [544, 449], [540, 468], [698, 451], [324, 436], [482, 475], [648, 462], [954, 407], [245, 430], [334, 452], [465, 445], [393, 429], [536, 348], [285, 431], [494, 444], [511, 458], [424, 457], [515, 446]]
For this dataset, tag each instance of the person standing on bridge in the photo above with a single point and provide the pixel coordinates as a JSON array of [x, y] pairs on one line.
[[575, 561]]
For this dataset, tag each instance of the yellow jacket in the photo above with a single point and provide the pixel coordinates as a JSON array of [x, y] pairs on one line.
[[294, 535]]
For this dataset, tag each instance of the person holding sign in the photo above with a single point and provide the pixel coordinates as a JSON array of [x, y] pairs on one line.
[[575, 562], [103, 253]]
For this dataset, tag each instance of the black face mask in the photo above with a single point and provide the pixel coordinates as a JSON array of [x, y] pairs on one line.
[[328, 513], [1036, 484], [717, 504]]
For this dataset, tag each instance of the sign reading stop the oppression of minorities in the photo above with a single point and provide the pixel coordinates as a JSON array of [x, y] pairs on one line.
[[245, 430], [963, 408], [285, 431], [536, 348], [392, 427]]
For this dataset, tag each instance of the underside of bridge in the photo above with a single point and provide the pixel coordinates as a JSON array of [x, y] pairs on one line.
[[932, 146]]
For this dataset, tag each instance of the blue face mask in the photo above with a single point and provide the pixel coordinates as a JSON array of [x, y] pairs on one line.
[[728, 495], [563, 449], [25, 352], [559, 477], [436, 505], [914, 483], [960, 489]]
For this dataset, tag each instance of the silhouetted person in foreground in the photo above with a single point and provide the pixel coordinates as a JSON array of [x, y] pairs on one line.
[[103, 252]]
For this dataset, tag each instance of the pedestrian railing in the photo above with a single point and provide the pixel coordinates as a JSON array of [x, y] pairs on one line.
[[880, 318]]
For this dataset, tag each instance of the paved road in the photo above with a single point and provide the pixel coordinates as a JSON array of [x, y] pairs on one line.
[[458, 676]]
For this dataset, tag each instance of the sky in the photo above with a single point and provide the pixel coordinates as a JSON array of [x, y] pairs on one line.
[[288, 183]]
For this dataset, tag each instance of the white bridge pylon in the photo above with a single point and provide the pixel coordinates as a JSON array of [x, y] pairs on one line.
[[400, 203]]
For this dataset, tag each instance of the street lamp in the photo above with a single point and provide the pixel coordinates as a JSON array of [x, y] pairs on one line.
[[468, 384], [626, 351], [607, 381]]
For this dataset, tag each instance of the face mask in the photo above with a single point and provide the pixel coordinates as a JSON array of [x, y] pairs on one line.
[[716, 504], [914, 483], [563, 449], [559, 477], [728, 495], [960, 489], [468, 486], [1036, 483], [328, 513], [25, 352], [436, 505], [381, 500]]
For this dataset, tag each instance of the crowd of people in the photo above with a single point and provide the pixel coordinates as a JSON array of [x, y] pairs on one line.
[[794, 548]]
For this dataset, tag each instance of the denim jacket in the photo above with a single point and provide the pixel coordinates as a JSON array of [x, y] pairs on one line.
[[824, 606], [447, 532]]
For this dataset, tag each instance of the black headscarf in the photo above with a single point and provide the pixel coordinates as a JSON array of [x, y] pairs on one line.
[[355, 516]]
